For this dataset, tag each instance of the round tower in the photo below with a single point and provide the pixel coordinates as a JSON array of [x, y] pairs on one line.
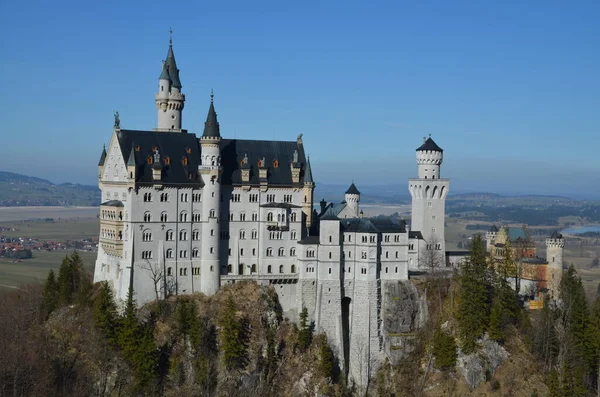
[[428, 193], [555, 245], [210, 170], [352, 198], [169, 99], [429, 159]]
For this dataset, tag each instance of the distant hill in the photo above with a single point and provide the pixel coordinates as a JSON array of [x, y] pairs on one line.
[[22, 190]]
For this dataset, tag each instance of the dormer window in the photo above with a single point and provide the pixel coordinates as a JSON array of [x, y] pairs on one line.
[[188, 150], [138, 148], [260, 163], [275, 163], [150, 160], [184, 161]]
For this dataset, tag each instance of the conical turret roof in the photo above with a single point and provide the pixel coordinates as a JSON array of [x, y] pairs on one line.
[[102, 157], [308, 178], [211, 126], [171, 66], [131, 160], [352, 189], [430, 145]]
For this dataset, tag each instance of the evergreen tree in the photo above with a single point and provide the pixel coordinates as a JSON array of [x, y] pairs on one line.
[[50, 294], [305, 331], [233, 348], [444, 350], [474, 297], [105, 312], [65, 282]]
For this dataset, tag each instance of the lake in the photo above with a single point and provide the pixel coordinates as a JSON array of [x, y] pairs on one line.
[[581, 229]]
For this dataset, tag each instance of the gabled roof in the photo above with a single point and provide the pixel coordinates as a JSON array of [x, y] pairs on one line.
[[430, 145], [173, 145], [515, 233], [277, 157], [556, 235], [494, 229], [352, 189], [102, 157]]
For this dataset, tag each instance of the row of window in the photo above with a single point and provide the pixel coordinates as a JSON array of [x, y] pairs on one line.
[[281, 251], [107, 214], [242, 269]]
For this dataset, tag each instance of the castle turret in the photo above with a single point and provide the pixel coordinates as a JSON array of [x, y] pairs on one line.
[[169, 99], [210, 170], [490, 238], [428, 193], [555, 245], [352, 198], [309, 188]]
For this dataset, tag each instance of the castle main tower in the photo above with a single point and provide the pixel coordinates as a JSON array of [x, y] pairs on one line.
[[428, 193], [210, 170], [169, 99], [352, 198], [555, 245]]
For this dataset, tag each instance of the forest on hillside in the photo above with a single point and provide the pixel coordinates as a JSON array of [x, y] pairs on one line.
[[66, 337]]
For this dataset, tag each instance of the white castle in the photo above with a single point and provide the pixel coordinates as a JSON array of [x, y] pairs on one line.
[[182, 215]]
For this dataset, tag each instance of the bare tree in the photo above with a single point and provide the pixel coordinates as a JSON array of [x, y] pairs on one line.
[[362, 362], [433, 261], [157, 275]]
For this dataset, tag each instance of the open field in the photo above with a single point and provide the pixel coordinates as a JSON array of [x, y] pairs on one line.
[[13, 274], [63, 229], [26, 213]]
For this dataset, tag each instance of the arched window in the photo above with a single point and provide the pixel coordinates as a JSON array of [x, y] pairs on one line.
[[242, 217], [196, 235], [183, 235], [183, 216], [147, 235], [169, 253], [195, 253], [169, 235], [196, 217], [147, 216], [330, 239], [241, 268], [281, 252], [270, 217], [253, 269], [242, 234], [293, 268], [292, 251], [293, 217], [212, 214], [330, 255], [229, 268], [164, 217], [254, 234], [269, 269], [269, 251], [280, 268]]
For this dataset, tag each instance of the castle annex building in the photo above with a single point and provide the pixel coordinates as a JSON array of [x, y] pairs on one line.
[[183, 214]]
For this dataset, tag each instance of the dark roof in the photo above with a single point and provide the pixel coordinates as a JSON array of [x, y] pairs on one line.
[[102, 157], [329, 217], [277, 157], [515, 233], [309, 240], [333, 209], [352, 189], [175, 146], [211, 126], [415, 234], [372, 225], [172, 68], [556, 234], [494, 229], [164, 74], [430, 145], [308, 172], [458, 253], [280, 205], [113, 203], [535, 261]]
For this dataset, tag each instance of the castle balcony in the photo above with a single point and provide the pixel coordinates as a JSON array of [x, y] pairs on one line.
[[112, 246], [278, 226]]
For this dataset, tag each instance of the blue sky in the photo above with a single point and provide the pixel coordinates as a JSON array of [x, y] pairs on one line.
[[509, 89]]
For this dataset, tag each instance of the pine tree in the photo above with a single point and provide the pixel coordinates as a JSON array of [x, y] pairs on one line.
[[474, 297], [305, 331], [233, 348], [50, 294], [65, 282], [444, 350], [105, 312]]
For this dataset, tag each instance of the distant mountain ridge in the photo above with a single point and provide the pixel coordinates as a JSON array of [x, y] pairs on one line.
[[22, 190]]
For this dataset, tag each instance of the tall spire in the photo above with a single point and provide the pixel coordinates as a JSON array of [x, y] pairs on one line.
[[172, 65], [211, 126], [308, 178], [102, 156], [131, 159]]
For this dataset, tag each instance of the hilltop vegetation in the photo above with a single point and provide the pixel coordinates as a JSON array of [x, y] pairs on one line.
[[21, 190]]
